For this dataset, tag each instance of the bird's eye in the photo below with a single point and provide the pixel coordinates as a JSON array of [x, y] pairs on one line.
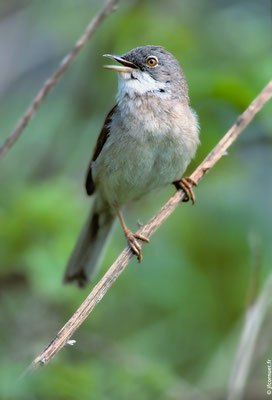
[[152, 61]]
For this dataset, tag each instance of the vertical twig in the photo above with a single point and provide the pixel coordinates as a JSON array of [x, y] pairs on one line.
[[252, 325]]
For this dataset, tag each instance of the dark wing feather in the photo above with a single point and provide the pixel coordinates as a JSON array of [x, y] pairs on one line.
[[102, 138]]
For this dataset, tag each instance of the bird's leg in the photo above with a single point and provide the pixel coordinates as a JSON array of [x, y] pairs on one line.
[[131, 237], [186, 185]]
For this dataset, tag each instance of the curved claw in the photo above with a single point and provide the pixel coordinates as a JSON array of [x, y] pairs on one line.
[[141, 237], [186, 185], [134, 244]]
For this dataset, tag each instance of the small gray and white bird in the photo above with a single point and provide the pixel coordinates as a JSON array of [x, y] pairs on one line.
[[147, 142]]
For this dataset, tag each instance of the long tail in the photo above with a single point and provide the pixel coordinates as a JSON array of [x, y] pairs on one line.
[[88, 251]]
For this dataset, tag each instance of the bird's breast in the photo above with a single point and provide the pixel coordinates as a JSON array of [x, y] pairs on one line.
[[147, 148]]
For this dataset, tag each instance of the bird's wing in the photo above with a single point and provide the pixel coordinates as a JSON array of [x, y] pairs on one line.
[[102, 138]]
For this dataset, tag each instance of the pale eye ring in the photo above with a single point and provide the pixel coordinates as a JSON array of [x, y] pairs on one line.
[[152, 61]]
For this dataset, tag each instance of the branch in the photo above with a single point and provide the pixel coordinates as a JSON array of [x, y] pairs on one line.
[[53, 79], [147, 230]]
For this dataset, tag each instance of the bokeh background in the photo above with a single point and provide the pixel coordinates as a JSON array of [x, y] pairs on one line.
[[169, 327]]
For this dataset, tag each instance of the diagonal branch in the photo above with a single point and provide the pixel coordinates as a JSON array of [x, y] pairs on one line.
[[53, 79], [147, 230]]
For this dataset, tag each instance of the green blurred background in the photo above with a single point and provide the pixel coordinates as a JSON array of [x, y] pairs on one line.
[[169, 327]]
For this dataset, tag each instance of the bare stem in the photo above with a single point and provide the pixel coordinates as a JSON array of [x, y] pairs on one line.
[[53, 79], [252, 325], [147, 230]]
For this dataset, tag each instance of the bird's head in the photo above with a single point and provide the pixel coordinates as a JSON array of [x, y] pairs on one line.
[[149, 69]]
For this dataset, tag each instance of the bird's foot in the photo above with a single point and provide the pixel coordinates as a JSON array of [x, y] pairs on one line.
[[186, 185], [134, 243]]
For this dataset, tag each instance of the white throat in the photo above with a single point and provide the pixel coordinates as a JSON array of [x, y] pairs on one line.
[[138, 83]]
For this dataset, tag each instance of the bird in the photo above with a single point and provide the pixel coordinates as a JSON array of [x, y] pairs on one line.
[[147, 141]]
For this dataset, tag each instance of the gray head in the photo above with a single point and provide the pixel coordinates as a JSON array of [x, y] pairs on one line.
[[152, 70]]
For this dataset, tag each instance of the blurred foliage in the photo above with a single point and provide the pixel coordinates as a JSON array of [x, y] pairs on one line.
[[168, 328]]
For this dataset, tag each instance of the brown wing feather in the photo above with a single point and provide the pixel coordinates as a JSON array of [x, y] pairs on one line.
[[102, 138]]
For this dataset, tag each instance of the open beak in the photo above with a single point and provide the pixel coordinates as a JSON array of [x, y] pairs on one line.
[[126, 66]]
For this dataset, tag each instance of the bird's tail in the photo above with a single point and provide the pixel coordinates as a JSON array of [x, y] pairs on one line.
[[88, 251]]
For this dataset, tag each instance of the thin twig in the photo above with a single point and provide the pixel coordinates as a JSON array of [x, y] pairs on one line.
[[247, 344], [147, 230], [53, 79]]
